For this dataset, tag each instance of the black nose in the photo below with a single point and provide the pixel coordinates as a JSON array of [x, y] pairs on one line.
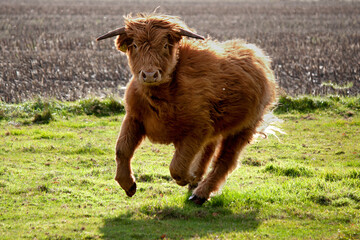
[[150, 77]]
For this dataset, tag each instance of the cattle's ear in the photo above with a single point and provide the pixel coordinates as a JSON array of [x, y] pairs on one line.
[[122, 42], [174, 37]]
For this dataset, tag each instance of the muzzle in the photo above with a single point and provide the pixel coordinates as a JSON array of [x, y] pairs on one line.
[[150, 77]]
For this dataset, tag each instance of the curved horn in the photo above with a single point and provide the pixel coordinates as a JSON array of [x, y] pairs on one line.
[[112, 33], [187, 33]]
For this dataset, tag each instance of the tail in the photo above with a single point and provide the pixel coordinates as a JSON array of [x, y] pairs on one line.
[[268, 127]]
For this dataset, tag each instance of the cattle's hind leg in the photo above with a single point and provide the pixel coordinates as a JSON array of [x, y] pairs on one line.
[[224, 164], [202, 163]]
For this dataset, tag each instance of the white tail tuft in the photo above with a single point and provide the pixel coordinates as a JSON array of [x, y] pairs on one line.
[[267, 127]]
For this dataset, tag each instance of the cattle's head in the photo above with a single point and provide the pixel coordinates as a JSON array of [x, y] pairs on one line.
[[151, 44]]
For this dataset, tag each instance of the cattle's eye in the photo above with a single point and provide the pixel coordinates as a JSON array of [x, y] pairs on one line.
[[166, 46], [134, 45]]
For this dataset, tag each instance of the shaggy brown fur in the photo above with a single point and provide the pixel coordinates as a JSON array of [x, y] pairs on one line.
[[208, 95]]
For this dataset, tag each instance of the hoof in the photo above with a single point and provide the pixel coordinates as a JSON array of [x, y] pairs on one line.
[[131, 191], [197, 200]]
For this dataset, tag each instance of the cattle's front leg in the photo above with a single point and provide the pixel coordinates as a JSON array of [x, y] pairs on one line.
[[183, 157], [131, 135]]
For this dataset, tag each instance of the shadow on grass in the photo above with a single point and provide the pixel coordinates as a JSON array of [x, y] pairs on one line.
[[187, 222]]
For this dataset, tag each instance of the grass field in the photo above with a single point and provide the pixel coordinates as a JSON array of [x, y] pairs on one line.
[[56, 179]]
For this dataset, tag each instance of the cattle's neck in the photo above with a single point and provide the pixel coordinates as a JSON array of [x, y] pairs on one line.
[[157, 96]]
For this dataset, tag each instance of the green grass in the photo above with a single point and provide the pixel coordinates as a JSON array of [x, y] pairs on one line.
[[41, 111], [56, 180]]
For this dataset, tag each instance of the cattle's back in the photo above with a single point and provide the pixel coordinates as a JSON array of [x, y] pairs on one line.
[[234, 77]]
